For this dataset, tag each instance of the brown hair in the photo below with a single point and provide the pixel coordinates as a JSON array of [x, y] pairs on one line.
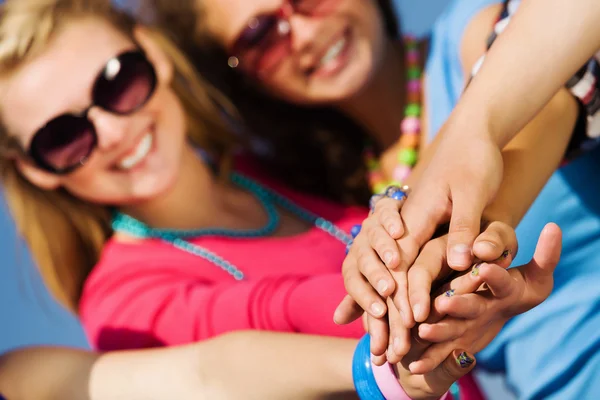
[[65, 234], [315, 149]]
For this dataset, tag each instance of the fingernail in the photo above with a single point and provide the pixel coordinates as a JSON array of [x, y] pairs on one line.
[[464, 360], [388, 257], [336, 316], [504, 255], [392, 230], [376, 309], [449, 293], [382, 286], [460, 255], [417, 311], [475, 270]]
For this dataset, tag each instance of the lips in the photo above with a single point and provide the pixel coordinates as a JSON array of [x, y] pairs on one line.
[[336, 47]]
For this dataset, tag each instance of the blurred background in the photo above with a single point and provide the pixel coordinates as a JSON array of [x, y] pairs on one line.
[[30, 314]]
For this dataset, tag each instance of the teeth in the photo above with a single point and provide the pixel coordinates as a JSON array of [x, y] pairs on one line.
[[141, 151], [333, 51]]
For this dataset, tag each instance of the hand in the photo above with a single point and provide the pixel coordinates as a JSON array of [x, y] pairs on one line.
[[387, 333], [472, 320], [496, 243], [366, 277], [461, 178], [433, 384]]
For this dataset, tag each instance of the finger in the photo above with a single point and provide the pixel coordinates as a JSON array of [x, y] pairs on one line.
[[371, 267], [431, 358], [497, 279], [384, 245], [445, 330], [378, 360], [388, 213], [421, 276], [466, 282], [360, 290], [347, 311], [469, 282], [421, 215], [465, 306], [400, 298], [379, 331], [399, 335], [465, 226], [538, 272], [494, 241], [455, 366]]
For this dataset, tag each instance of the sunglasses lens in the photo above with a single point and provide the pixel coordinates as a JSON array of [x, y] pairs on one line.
[[64, 143], [125, 84], [256, 39]]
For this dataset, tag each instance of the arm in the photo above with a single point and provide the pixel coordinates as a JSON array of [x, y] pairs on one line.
[[530, 159], [149, 308], [515, 82], [512, 62], [222, 368]]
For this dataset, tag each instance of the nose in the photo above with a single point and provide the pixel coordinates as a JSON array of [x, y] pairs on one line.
[[110, 128], [304, 32]]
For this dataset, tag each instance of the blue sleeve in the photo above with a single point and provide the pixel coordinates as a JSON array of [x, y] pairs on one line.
[[553, 351], [444, 70]]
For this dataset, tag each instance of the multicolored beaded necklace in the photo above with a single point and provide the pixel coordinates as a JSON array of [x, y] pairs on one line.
[[269, 200], [410, 128]]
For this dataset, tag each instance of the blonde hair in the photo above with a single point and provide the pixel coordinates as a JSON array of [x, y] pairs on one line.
[[65, 234]]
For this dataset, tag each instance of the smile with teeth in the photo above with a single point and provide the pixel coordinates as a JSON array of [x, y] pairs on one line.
[[138, 154], [333, 51]]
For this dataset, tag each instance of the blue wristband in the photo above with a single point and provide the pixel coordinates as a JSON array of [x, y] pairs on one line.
[[362, 372]]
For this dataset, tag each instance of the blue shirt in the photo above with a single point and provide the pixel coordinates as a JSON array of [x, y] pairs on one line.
[[550, 352]]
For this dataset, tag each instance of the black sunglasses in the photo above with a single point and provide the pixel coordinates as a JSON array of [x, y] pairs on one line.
[[124, 85]]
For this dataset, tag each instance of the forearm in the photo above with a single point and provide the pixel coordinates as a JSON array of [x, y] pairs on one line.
[[532, 157], [46, 374], [249, 365], [268, 365], [546, 42]]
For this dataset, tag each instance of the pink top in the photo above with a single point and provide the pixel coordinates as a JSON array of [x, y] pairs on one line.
[[151, 294]]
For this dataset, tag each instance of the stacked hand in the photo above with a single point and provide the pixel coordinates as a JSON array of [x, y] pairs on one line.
[[463, 312]]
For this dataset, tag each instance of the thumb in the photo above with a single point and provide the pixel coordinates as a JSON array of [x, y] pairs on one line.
[[422, 212], [465, 226], [455, 366], [538, 272]]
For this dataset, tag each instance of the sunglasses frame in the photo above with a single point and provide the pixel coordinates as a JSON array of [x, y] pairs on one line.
[[281, 16], [36, 155]]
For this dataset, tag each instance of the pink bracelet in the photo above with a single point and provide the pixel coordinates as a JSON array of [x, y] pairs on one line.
[[390, 387]]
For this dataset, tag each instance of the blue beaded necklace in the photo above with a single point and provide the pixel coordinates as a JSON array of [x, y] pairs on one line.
[[268, 199]]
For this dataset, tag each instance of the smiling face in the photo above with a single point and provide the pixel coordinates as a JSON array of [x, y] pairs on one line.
[[136, 155], [304, 51]]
